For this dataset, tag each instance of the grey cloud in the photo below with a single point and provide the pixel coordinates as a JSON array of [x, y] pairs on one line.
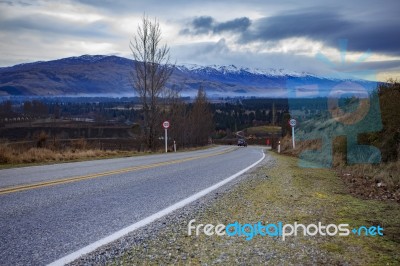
[[203, 24], [15, 3], [238, 24], [160, 9], [207, 24], [24, 3], [374, 66], [10, 3], [54, 25]]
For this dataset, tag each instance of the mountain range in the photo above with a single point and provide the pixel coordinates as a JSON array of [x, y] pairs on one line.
[[94, 75]]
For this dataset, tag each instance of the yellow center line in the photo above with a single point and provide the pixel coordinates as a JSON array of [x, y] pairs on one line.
[[113, 172]]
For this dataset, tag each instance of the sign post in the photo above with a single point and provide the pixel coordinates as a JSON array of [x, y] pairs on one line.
[[292, 123], [166, 126]]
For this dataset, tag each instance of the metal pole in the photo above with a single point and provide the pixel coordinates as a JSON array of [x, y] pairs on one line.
[[166, 141], [174, 146], [279, 147], [293, 137]]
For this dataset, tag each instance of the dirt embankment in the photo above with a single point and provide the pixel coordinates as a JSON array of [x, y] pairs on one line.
[[368, 181]]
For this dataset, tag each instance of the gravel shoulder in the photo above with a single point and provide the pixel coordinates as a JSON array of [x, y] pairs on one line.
[[277, 190]]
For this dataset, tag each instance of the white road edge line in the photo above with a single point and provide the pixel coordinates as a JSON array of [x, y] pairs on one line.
[[115, 236]]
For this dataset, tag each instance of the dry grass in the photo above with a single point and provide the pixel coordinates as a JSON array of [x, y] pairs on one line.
[[10, 156], [79, 151], [286, 145]]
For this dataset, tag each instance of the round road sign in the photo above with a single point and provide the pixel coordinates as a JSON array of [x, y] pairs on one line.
[[165, 124], [292, 122]]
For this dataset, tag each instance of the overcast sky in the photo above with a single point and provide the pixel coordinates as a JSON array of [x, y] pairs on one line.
[[296, 35]]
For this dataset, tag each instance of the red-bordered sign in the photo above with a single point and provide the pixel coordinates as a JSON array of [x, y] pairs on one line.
[[165, 124], [292, 122]]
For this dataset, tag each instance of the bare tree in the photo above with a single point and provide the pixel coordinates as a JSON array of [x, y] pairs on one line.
[[151, 73]]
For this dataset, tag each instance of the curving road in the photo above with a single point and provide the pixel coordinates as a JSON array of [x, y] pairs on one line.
[[48, 212]]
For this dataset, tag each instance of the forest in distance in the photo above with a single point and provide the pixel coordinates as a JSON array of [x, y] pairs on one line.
[[229, 115], [127, 109]]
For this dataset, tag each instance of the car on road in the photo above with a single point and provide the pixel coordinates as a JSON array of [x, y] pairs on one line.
[[242, 142]]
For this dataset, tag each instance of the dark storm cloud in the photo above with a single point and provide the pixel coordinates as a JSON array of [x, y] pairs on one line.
[[378, 36], [329, 27], [309, 24], [207, 24]]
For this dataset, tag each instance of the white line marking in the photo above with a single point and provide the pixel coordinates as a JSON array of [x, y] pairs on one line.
[[115, 236]]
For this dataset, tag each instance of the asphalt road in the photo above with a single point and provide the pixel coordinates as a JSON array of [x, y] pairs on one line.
[[42, 221]]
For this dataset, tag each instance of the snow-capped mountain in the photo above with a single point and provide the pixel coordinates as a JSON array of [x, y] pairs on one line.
[[229, 69], [102, 74]]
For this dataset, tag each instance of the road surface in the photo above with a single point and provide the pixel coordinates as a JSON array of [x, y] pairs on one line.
[[48, 212]]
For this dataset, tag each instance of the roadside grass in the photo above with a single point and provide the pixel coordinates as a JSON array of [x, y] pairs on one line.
[[370, 181], [287, 193], [42, 156], [10, 158]]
